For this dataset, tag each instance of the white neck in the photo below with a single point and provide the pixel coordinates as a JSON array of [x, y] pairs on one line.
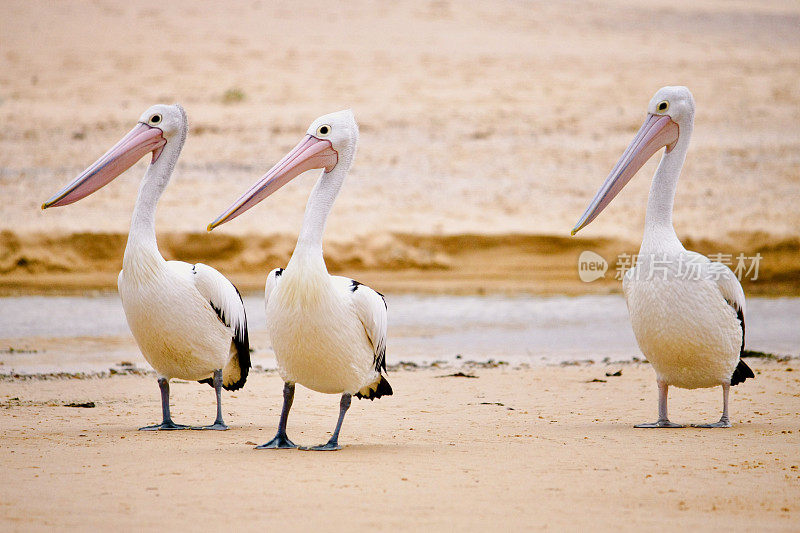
[[659, 234], [142, 243], [320, 202]]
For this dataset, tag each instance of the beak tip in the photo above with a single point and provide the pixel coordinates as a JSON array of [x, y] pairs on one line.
[[45, 205], [209, 227]]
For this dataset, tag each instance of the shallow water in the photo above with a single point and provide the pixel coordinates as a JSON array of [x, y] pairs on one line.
[[89, 333]]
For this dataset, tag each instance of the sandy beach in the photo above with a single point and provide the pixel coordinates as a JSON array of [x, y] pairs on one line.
[[537, 448]]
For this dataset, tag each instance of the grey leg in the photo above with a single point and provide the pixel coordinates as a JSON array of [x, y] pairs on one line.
[[663, 420], [724, 421], [218, 424], [333, 443], [281, 441], [166, 423]]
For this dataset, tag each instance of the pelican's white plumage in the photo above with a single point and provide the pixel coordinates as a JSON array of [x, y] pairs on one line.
[[687, 312], [689, 331], [188, 320], [328, 332]]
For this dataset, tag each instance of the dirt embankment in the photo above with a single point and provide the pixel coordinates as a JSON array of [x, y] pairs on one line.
[[463, 264]]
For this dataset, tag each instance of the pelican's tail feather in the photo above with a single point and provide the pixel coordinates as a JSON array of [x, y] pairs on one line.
[[235, 372], [375, 390], [741, 373]]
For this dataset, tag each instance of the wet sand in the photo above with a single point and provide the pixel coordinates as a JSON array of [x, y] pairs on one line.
[[90, 334], [559, 453]]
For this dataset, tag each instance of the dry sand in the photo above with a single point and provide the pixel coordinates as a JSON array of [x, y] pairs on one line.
[[480, 119], [559, 453]]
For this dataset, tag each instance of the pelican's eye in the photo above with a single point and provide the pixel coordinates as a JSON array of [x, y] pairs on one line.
[[323, 130], [662, 106], [155, 119]]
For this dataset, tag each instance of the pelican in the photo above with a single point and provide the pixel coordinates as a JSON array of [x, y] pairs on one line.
[[687, 312], [188, 320], [328, 332]]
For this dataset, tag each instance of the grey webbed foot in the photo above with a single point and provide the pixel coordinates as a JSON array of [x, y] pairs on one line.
[[663, 417], [723, 423], [333, 443], [724, 420], [166, 419], [280, 442], [327, 447], [218, 426], [219, 423], [164, 426], [659, 424]]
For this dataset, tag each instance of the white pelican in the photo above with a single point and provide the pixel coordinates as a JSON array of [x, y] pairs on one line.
[[328, 332], [188, 320], [687, 312]]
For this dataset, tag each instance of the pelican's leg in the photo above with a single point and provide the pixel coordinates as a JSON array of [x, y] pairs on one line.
[[333, 443], [166, 423], [724, 421], [218, 424], [663, 420], [281, 440]]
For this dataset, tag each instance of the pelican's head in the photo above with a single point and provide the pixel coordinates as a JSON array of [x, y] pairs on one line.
[[157, 126], [170, 119], [330, 143], [669, 113], [675, 102], [341, 130]]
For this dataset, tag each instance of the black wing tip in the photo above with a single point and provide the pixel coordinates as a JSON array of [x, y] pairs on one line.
[[241, 341], [380, 361], [740, 316], [238, 293], [383, 389], [741, 373], [243, 356]]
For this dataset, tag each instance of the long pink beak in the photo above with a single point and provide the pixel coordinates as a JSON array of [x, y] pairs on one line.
[[141, 140], [310, 153], [657, 132]]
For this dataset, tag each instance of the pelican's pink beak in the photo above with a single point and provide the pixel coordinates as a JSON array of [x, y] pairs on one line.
[[309, 154], [141, 140], [657, 132]]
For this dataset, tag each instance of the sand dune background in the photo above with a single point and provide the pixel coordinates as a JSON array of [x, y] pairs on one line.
[[487, 119]]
